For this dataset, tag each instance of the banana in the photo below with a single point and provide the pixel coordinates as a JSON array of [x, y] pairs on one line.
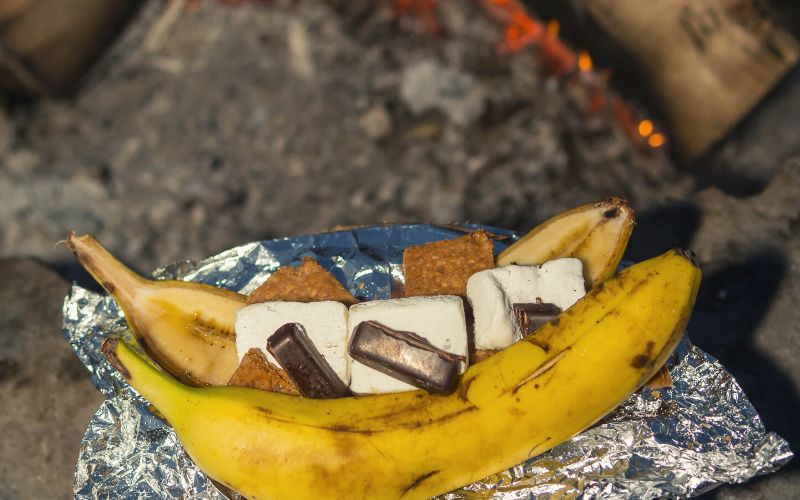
[[596, 233], [520, 402], [187, 328]]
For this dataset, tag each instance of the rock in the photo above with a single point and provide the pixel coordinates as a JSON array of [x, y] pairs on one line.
[[376, 122], [732, 227], [47, 397], [426, 85]]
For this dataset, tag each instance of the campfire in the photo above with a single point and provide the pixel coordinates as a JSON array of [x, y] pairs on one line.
[[523, 31]]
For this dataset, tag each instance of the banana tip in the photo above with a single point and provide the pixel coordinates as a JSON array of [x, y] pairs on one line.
[[109, 350], [689, 255], [69, 241]]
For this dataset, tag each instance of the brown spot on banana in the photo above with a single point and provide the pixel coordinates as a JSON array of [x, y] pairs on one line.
[[540, 343], [517, 412], [642, 360], [207, 330], [266, 411], [418, 480], [351, 430]]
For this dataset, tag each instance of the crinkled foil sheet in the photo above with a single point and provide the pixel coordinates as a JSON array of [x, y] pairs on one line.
[[675, 442]]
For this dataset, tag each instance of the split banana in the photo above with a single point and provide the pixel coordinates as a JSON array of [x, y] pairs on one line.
[[596, 233], [187, 328], [520, 402]]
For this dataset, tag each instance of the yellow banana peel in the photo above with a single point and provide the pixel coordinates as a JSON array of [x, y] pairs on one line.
[[596, 233], [187, 328], [520, 402]]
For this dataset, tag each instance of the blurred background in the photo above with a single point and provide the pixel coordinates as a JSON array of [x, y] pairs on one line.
[[174, 129]]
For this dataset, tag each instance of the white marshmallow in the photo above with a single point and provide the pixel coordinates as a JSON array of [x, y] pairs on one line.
[[439, 320], [324, 322], [492, 294]]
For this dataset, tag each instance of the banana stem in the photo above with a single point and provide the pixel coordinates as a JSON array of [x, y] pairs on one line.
[[154, 385], [110, 273]]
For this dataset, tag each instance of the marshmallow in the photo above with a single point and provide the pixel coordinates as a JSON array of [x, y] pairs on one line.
[[493, 293], [325, 324], [438, 319]]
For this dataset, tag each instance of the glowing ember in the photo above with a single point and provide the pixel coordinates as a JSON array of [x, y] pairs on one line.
[[645, 128], [553, 28], [584, 61], [521, 29], [656, 140]]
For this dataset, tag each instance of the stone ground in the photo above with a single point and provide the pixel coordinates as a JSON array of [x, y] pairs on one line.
[[227, 125]]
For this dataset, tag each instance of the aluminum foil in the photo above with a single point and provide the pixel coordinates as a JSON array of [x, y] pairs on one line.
[[674, 442]]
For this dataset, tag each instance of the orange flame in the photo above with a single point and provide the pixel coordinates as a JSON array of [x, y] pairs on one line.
[[521, 29]]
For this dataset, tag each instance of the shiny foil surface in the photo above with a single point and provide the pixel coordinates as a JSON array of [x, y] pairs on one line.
[[674, 442]]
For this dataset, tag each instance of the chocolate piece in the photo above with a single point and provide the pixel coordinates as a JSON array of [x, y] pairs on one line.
[[532, 316], [301, 360], [405, 356]]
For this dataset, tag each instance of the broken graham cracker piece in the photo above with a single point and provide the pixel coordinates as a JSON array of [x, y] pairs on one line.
[[308, 282], [257, 372], [443, 267], [661, 379]]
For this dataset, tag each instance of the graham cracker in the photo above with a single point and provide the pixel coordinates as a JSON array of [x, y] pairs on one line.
[[443, 267], [661, 379], [257, 372], [308, 282]]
